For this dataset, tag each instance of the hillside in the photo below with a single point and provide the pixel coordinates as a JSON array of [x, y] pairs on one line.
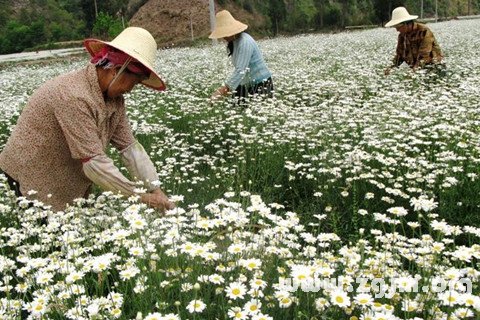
[[169, 21]]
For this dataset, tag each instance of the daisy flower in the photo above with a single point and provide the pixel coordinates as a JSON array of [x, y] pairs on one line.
[[236, 290], [196, 306], [237, 313], [252, 307], [340, 298]]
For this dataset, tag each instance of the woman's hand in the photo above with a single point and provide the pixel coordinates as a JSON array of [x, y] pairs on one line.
[[157, 199], [220, 92]]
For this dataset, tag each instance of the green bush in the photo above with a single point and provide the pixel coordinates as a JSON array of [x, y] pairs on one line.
[[106, 26], [333, 16]]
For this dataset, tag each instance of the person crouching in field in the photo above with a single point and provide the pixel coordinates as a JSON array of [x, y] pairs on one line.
[[416, 44], [58, 145], [251, 75]]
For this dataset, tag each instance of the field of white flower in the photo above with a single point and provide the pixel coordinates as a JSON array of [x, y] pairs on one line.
[[346, 175]]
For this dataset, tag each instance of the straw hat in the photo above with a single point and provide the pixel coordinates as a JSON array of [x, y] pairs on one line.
[[400, 15], [139, 44], [226, 25]]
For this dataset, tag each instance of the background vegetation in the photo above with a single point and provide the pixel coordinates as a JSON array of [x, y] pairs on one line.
[[28, 24]]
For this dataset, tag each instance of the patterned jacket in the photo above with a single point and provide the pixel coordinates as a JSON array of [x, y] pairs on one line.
[[417, 47], [66, 120]]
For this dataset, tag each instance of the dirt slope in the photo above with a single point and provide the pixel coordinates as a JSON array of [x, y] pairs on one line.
[[169, 20]]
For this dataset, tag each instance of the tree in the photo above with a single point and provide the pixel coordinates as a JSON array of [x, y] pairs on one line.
[[277, 13], [383, 9], [302, 15], [320, 4], [110, 7], [106, 26], [345, 4]]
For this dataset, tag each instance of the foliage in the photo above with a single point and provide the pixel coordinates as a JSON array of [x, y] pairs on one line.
[[107, 27], [61, 20], [38, 24], [301, 14]]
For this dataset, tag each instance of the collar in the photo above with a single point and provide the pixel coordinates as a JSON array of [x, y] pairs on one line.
[[92, 79]]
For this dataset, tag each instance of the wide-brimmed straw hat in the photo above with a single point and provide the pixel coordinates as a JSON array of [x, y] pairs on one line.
[[400, 15], [226, 25], [139, 44]]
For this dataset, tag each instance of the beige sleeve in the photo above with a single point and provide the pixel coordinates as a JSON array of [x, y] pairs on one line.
[[102, 172], [139, 164]]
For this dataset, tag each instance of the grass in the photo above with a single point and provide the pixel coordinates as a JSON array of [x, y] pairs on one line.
[[312, 184]]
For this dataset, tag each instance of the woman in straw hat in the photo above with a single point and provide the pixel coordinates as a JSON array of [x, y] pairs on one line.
[[58, 145], [251, 75], [416, 44]]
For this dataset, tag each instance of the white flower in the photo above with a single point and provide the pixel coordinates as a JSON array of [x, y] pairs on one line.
[[450, 298], [74, 276], [258, 284], [129, 273], [470, 300], [93, 309], [250, 264], [405, 284], [261, 316], [321, 304], [216, 279], [101, 263], [339, 298], [236, 248], [285, 302], [196, 306], [236, 290], [252, 307], [38, 308], [364, 299], [362, 212], [423, 203], [229, 194], [463, 313], [44, 278], [136, 251], [301, 274], [369, 195], [116, 313], [176, 198], [398, 211]]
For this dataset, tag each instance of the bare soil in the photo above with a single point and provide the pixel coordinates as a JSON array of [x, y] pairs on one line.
[[170, 21]]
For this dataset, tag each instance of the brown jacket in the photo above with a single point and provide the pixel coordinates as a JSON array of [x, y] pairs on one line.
[[67, 119], [417, 47]]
